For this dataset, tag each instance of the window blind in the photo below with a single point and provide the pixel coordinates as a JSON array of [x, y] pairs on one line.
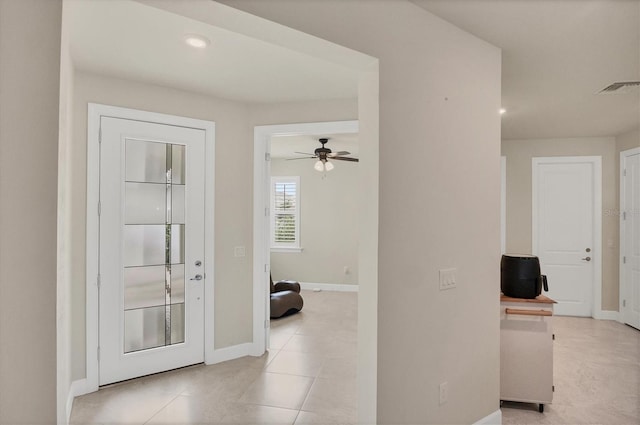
[[285, 213]]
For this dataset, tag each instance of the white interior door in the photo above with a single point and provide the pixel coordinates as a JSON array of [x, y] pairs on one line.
[[630, 237], [564, 236], [151, 294]]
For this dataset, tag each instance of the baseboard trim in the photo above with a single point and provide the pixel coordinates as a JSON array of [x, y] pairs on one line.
[[607, 315], [77, 388], [69, 406], [229, 353], [338, 287], [494, 418]]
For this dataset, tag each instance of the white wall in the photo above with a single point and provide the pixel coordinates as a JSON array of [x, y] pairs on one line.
[[29, 105], [301, 112], [368, 222], [440, 161], [628, 140], [519, 154], [65, 228], [328, 224]]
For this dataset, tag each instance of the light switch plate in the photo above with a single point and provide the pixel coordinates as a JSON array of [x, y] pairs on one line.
[[444, 392], [239, 251], [447, 278]]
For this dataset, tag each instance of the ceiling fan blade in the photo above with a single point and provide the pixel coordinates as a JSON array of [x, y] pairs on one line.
[[305, 153], [345, 158], [341, 153], [305, 157]]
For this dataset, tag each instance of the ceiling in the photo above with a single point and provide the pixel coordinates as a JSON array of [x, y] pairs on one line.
[[286, 146], [130, 40], [556, 54]]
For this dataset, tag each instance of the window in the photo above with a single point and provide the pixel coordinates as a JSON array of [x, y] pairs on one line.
[[285, 213]]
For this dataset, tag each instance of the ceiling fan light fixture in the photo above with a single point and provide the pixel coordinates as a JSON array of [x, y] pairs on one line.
[[319, 166], [328, 166]]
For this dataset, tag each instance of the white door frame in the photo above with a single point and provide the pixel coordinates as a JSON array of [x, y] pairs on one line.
[[596, 255], [503, 204], [622, 281], [95, 112], [261, 223]]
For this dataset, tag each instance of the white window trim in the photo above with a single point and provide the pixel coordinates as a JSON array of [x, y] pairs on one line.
[[281, 249], [280, 246]]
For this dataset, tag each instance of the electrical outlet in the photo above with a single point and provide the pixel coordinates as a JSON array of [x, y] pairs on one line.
[[444, 392], [238, 251], [447, 279], [346, 270]]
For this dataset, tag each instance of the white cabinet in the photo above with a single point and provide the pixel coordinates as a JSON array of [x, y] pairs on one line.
[[526, 350]]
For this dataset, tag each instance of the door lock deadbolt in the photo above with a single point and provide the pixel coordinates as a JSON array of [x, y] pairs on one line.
[[198, 263], [588, 249]]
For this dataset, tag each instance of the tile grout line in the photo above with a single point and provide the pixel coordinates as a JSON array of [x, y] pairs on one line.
[[306, 397], [162, 408]]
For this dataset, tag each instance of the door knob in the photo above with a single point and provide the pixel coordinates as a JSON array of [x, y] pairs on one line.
[[197, 277], [586, 258]]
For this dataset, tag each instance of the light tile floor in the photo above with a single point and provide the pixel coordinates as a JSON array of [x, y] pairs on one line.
[[307, 377], [596, 374]]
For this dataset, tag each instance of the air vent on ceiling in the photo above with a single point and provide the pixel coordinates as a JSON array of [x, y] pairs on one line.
[[619, 87]]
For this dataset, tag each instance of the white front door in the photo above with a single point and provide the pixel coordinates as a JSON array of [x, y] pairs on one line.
[[564, 222], [630, 237], [151, 293]]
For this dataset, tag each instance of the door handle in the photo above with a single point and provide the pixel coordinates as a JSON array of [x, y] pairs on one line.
[[586, 258], [197, 277]]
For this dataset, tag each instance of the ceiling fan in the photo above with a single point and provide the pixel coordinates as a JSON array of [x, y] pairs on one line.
[[323, 155]]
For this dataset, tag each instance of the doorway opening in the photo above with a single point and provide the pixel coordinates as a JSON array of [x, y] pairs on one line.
[[262, 216]]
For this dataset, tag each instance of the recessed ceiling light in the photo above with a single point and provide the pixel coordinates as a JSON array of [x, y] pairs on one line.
[[196, 40], [503, 111]]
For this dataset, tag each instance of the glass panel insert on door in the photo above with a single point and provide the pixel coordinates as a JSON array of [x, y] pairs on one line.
[[151, 271], [154, 245]]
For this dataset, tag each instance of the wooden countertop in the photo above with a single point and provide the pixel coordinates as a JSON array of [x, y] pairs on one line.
[[540, 299]]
